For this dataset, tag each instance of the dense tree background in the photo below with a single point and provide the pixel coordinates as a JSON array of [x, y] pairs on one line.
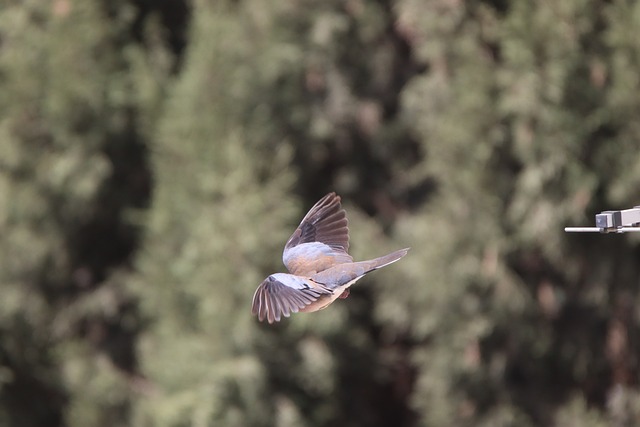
[[156, 155]]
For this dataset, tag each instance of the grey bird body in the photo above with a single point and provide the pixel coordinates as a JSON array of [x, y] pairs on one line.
[[321, 269]]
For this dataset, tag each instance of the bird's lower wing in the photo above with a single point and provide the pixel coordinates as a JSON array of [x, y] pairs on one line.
[[273, 299]]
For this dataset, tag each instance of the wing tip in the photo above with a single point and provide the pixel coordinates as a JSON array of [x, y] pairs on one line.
[[329, 199]]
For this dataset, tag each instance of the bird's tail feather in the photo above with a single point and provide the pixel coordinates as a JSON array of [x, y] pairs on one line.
[[376, 263], [349, 273]]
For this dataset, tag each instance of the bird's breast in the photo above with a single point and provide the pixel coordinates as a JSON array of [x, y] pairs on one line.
[[325, 300]]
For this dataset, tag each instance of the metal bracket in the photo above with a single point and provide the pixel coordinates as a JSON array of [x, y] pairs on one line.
[[624, 221]]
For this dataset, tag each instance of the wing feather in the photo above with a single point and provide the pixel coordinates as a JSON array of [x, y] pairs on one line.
[[321, 240], [273, 299]]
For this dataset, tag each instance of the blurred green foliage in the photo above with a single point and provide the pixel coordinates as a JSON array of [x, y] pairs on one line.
[[155, 156]]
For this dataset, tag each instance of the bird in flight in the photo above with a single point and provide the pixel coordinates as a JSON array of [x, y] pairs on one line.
[[320, 266]]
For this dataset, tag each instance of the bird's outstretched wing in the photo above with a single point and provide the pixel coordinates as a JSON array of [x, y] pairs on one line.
[[274, 299], [321, 240]]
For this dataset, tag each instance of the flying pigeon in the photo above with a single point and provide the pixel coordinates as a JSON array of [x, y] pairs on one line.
[[321, 269]]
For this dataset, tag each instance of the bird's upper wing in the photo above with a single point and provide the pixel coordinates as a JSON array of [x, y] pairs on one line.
[[276, 297], [321, 240]]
